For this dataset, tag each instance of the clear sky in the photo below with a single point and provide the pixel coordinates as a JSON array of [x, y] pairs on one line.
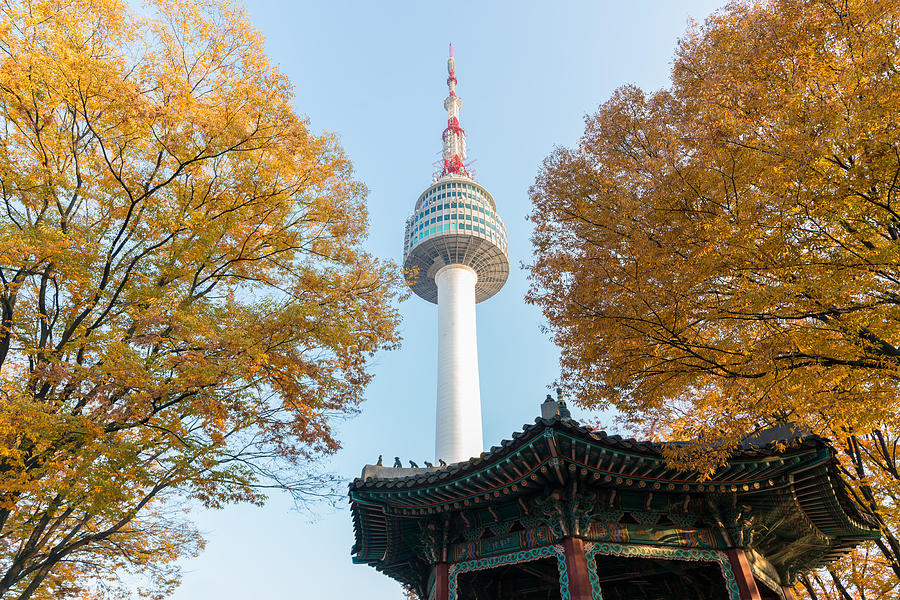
[[374, 73]]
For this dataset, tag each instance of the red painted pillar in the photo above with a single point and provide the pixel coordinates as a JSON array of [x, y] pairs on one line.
[[788, 592], [576, 565], [743, 574], [441, 582]]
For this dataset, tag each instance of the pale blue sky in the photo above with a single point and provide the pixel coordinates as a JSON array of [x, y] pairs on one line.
[[374, 72]]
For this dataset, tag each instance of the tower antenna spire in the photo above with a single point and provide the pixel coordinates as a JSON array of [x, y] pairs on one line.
[[454, 137]]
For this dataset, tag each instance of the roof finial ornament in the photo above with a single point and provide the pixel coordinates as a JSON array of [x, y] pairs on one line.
[[555, 409], [564, 414]]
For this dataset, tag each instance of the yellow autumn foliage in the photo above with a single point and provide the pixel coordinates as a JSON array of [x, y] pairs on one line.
[[724, 254], [184, 296]]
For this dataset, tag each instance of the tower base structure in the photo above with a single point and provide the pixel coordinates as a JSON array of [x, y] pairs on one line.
[[458, 424]]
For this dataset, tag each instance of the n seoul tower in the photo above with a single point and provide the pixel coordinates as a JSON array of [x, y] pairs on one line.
[[455, 255]]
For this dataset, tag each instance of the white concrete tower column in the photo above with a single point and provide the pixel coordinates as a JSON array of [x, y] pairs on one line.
[[458, 431]]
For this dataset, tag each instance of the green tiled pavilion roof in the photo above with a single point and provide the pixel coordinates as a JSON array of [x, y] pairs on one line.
[[792, 491]]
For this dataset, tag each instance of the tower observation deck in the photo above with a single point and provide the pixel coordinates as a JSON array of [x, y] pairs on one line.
[[455, 255]]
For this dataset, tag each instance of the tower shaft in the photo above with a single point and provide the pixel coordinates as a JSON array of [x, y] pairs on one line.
[[458, 426]]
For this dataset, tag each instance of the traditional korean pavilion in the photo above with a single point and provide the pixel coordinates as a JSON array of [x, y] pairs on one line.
[[563, 512]]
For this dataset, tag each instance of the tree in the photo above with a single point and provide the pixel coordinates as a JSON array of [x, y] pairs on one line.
[[185, 303], [723, 254]]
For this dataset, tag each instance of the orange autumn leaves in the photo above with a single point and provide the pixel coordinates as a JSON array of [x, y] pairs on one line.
[[723, 254], [184, 297]]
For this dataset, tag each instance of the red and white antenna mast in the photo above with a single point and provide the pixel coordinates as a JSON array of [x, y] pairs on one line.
[[454, 137]]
